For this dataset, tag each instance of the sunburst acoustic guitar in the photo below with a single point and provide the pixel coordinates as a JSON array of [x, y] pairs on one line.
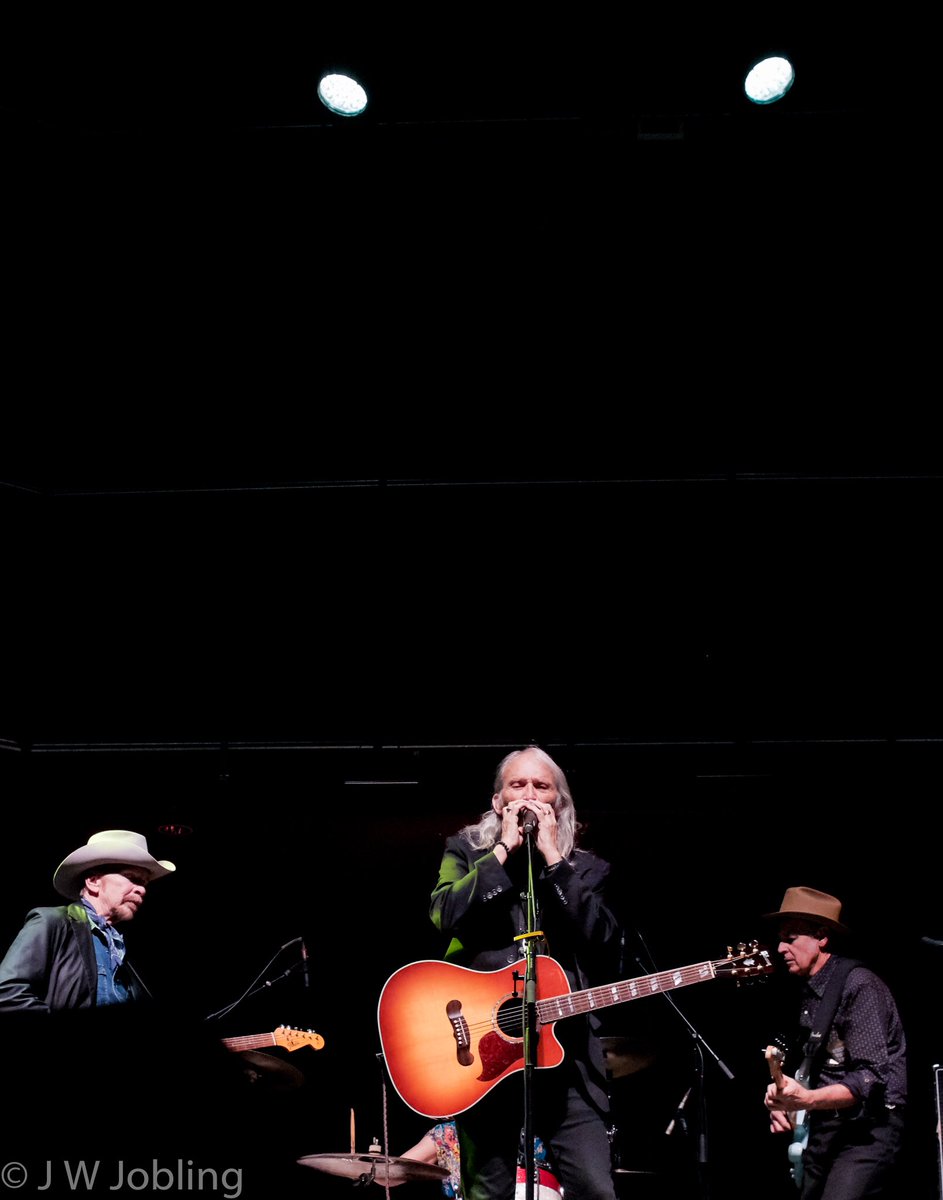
[[450, 1034]]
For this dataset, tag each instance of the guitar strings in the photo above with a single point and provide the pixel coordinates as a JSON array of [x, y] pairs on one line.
[[509, 1018]]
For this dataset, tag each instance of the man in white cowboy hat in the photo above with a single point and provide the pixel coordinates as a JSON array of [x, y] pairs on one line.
[[846, 1109], [73, 956]]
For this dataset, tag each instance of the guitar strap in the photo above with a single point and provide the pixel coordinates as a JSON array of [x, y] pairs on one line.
[[824, 1017]]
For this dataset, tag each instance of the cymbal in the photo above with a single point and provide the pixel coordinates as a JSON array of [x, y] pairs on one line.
[[374, 1166], [269, 1072], [625, 1056]]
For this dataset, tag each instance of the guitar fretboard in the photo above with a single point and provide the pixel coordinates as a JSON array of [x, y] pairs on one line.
[[251, 1041], [571, 1003]]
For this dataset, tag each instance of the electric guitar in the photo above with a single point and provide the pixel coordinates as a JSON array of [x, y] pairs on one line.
[[798, 1120], [450, 1034], [290, 1039]]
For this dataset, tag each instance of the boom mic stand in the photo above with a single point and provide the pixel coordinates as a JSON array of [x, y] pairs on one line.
[[696, 1086], [251, 990]]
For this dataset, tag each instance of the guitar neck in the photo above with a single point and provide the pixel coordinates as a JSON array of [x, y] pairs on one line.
[[774, 1060], [572, 1003], [251, 1041], [775, 1070]]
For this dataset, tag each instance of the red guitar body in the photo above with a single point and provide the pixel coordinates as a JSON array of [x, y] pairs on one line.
[[450, 1034]]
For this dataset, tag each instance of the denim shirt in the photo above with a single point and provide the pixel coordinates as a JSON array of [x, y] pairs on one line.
[[109, 955]]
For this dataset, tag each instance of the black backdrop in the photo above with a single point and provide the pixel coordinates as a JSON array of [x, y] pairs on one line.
[[337, 461], [318, 681]]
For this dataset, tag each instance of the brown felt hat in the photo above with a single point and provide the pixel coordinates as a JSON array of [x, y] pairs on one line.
[[811, 905]]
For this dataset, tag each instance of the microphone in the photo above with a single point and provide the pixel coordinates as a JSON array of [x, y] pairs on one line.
[[527, 820], [678, 1118], [293, 942], [304, 964]]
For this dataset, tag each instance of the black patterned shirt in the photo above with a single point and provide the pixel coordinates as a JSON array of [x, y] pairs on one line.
[[865, 1047]]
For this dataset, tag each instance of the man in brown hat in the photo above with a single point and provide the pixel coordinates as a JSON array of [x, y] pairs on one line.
[[845, 1104], [73, 956]]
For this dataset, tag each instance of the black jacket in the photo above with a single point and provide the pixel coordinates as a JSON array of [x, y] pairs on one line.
[[51, 964], [477, 902]]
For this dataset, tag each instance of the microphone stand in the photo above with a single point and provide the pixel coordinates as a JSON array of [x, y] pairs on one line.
[[267, 983], [529, 1020], [699, 1044], [251, 990]]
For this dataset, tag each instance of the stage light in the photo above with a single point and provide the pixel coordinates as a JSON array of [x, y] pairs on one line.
[[342, 94], [769, 80]]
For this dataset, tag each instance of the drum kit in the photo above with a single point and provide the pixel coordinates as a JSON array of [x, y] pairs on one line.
[[268, 1073], [383, 1169], [623, 1057], [374, 1166]]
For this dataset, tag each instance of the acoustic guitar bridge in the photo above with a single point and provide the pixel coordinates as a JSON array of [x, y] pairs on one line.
[[460, 1032]]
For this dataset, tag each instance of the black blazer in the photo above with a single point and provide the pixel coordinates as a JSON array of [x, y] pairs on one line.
[[477, 902], [51, 964]]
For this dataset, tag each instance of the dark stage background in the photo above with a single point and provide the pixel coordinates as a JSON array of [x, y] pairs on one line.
[[339, 459], [318, 682]]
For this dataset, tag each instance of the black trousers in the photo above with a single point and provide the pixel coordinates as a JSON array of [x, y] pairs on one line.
[[851, 1159], [573, 1130]]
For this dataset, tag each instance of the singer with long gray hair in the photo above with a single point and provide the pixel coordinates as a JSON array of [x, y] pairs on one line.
[[480, 902]]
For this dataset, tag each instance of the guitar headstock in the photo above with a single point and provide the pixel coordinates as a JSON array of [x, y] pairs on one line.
[[774, 1055], [749, 960], [294, 1039], [774, 1060]]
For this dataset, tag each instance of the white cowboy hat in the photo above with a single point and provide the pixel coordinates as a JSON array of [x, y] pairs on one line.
[[112, 847]]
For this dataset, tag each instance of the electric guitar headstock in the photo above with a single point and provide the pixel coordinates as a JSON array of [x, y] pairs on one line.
[[748, 961], [294, 1039], [775, 1060]]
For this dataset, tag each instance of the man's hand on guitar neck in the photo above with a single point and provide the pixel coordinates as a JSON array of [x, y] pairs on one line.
[[787, 1095], [791, 1097], [780, 1121]]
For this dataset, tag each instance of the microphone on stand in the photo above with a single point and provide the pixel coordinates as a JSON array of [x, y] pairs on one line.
[[304, 964], [678, 1118], [527, 820]]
